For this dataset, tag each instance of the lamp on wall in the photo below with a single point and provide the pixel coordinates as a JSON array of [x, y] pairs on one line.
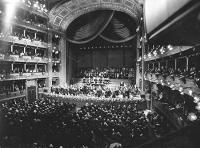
[[192, 116], [196, 99], [155, 53], [170, 47], [190, 92], [162, 50]]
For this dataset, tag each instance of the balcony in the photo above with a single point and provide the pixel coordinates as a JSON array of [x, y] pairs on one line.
[[29, 59], [12, 95], [187, 86], [24, 76], [23, 41], [55, 74]]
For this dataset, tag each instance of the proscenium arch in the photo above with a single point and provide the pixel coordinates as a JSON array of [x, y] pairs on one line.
[[62, 15]]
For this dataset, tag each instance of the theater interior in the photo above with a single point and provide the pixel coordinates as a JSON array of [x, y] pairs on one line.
[[99, 73]]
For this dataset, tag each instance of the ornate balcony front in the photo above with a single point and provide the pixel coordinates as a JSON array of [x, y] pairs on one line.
[[23, 41]]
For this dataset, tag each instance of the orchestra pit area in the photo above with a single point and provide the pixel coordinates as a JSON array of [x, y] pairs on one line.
[[99, 73]]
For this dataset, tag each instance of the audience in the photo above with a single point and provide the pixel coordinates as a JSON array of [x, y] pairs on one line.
[[49, 123]]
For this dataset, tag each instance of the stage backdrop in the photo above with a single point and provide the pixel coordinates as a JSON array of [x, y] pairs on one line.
[[116, 58]]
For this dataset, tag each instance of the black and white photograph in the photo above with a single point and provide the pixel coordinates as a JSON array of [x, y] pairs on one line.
[[99, 73]]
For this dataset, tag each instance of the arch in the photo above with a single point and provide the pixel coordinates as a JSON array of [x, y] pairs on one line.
[[61, 16]]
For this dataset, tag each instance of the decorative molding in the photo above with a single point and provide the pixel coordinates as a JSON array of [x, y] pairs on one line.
[[61, 16]]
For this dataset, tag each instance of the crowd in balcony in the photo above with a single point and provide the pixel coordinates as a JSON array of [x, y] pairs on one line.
[[29, 51], [41, 83], [56, 67], [8, 87], [111, 73], [22, 33], [184, 66], [38, 5], [28, 18], [32, 19], [180, 103], [55, 54], [30, 68], [50, 123]]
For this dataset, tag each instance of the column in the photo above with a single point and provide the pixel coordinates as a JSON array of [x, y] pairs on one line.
[[63, 64], [24, 32], [137, 57], [25, 68], [158, 65], [12, 67], [175, 64], [49, 65], [24, 49], [36, 67], [35, 35], [35, 51], [143, 49], [11, 48], [187, 63], [68, 63]]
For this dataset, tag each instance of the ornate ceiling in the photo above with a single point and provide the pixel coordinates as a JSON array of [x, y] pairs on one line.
[[65, 11]]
